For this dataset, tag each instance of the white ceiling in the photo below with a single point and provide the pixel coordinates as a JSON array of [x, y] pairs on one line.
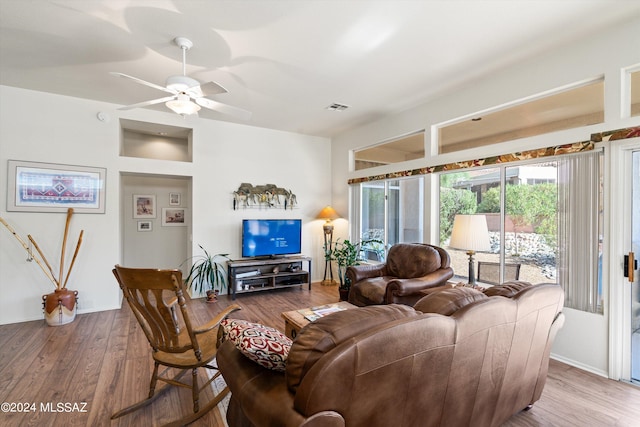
[[286, 61]]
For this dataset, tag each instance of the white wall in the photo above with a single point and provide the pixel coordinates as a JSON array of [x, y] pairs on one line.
[[36, 126], [584, 339]]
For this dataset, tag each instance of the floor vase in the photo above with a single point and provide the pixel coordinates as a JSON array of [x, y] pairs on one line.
[[60, 307]]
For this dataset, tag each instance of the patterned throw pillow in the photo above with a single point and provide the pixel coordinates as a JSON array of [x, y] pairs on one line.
[[266, 346]]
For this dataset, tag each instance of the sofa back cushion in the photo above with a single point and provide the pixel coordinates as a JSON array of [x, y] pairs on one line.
[[412, 260], [507, 289], [448, 301], [321, 336]]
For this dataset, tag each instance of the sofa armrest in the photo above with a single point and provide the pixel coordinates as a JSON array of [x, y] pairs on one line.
[[262, 393], [360, 272], [404, 287]]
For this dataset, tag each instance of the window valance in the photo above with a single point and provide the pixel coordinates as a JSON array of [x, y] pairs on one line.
[[575, 147]]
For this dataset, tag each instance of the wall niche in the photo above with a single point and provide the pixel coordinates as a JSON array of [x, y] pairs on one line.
[[155, 141]]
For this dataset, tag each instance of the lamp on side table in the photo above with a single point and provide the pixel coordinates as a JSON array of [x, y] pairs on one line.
[[470, 233], [329, 214]]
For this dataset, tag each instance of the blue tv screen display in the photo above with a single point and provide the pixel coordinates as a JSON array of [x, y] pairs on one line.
[[271, 237]]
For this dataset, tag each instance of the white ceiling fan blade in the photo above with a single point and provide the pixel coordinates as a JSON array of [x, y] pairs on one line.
[[144, 82], [224, 108], [205, 89], [147, 103]]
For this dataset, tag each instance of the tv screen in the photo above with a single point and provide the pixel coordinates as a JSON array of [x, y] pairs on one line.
[[271, 237]]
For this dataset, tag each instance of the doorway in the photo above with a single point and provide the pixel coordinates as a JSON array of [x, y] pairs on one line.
[[156, 236]]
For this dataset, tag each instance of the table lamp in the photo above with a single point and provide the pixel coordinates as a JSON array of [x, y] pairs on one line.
[[329, 214], [470, 233]]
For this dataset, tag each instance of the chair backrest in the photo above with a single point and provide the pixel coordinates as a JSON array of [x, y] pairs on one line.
[[152, 295], [411, 260], [489, 272]]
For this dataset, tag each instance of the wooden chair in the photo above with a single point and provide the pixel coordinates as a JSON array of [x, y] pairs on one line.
[[175, 343], [489, 272]]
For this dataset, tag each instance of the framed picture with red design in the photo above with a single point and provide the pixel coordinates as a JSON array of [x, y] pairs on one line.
[[50, 187]]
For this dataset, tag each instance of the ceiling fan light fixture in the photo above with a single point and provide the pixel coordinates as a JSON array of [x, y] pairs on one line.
[[182, 105]]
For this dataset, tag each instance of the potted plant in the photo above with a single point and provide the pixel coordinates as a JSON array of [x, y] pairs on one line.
[[208, 274], [346, 254]]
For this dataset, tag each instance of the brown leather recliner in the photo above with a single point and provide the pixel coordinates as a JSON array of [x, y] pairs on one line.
[[481, 361], [410, 269]]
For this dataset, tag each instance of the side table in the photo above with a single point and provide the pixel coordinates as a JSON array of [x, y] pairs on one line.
[[294, 320]]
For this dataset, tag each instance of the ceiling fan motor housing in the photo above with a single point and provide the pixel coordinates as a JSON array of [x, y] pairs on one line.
[[181, 83]]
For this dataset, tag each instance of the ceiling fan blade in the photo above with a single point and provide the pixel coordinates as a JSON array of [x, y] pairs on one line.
[[144, 82], [207, 89], [224, 108], [147, 103]]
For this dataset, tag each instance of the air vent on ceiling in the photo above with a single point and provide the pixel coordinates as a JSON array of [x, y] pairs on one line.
[[337, 107]]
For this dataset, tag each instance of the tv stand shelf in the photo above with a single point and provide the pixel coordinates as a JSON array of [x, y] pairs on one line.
[[255, 274]]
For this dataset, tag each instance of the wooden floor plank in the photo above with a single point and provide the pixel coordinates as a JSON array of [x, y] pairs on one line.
[[19, 351], [112, 369], [104, 359]]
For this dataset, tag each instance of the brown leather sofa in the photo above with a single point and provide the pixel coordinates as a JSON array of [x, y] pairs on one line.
[[410, 269], [483, 360]]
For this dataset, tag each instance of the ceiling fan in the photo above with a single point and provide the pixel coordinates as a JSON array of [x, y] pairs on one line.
[[184, 90]]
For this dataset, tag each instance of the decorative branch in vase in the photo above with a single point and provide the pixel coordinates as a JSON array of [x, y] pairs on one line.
[[60, 306]]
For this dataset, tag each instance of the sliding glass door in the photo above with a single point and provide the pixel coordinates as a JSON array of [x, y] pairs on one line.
[[391, 212], [634, 285]]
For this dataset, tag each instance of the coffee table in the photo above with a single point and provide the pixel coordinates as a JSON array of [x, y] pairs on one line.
[[295, 320]]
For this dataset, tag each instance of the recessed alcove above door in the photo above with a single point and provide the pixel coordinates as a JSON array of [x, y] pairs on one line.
[[155, 141]]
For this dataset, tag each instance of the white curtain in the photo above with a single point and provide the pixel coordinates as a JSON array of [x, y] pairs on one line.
[[579, 181]]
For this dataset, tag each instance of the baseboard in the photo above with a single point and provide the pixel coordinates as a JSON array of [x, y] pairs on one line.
[[579, 365], [40, 316]]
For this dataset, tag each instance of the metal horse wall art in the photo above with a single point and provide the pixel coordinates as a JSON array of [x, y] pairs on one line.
[[263, 196]]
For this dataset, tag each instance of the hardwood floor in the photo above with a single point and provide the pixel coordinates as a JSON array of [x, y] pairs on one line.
[[100, 363]]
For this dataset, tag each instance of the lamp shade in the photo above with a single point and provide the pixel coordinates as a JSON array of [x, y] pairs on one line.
[[328, 213], [470, 233]]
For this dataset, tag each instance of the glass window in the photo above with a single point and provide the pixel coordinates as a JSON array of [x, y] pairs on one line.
[[470, 192], [572, 108], [530, 226], [527, 231], [544, 220], [635, 93], [391, 212], [372, 221], [398, 150]]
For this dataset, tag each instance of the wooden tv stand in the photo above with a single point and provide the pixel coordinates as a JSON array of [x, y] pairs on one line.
[[252, 275]]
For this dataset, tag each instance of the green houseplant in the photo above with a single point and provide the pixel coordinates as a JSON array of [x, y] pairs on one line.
[[207, 273], [346, 254]]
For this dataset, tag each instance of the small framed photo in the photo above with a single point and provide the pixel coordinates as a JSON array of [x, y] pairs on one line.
[[174, 217], [145, 226], [175, 199], [144, 206]]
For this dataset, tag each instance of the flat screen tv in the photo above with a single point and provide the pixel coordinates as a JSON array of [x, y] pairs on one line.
[[271, 237]]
